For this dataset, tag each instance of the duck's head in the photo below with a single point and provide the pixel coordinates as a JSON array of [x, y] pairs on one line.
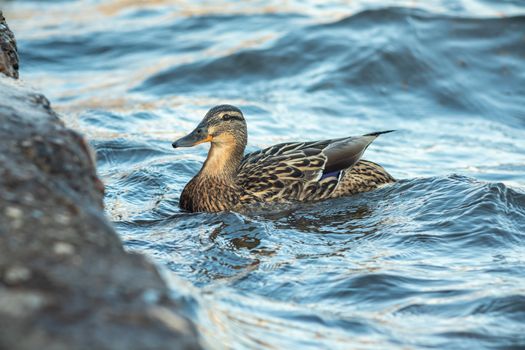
[[223, 125]]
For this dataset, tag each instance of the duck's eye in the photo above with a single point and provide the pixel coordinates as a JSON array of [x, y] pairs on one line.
[[230, 117]]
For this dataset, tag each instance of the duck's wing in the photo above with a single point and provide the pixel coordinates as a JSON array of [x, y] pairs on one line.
[[301, 170]]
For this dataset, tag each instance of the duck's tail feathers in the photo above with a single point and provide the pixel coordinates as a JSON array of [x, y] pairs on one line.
[[377, 133]]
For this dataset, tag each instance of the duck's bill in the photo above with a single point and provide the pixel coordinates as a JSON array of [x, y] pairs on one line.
[[192, 139]]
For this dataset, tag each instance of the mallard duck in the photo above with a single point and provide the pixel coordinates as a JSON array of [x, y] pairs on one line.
[[287, 172]]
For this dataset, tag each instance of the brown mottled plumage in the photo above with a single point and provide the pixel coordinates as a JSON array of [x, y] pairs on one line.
[[297, 171]]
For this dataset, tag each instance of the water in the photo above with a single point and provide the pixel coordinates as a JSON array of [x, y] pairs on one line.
[[433, 261]]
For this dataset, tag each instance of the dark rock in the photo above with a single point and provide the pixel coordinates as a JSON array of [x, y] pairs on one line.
[[8, 51], [65, 280]]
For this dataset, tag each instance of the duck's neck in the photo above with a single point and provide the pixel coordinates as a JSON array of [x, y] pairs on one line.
[[223, 161]]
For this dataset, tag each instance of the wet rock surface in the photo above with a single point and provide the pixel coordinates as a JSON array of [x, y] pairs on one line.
[[8, 51], [65, 280]]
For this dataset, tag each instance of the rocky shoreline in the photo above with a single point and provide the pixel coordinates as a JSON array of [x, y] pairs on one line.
[[65, 280]]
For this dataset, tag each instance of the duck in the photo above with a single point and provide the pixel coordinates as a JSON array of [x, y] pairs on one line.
[[287, 172]]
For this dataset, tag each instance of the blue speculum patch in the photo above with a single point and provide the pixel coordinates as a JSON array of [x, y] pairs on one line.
[[331, 174]]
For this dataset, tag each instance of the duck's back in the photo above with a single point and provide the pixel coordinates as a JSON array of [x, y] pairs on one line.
[[305, 171]]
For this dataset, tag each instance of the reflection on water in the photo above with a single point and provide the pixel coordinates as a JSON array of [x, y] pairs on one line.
[[434, 260]]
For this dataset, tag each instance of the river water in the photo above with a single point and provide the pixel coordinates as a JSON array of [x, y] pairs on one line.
[[436, 260]]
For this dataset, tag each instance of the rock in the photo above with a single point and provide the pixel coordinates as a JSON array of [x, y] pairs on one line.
[[8, 51], [65, 280]]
